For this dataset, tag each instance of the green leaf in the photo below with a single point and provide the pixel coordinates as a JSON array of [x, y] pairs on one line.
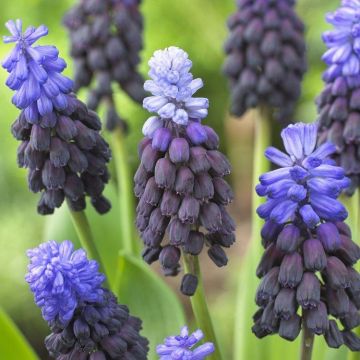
[[149, 298], [13, 345]]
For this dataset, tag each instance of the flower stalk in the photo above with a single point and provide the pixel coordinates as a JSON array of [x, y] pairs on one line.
[[84, 233], [199, 304], [307, 344], [125, 191]]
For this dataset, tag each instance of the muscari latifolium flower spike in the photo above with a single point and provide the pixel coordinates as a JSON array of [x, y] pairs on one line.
[[60, 138], [181, 347], [266, 57], [180, 182], [85, 319], [309, 255], [339, 102], [106, 38]]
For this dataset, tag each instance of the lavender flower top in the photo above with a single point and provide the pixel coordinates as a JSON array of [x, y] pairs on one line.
[[35, 72], [343, 43], [173, 86], [180, 347], [306, 184], [61, 278]]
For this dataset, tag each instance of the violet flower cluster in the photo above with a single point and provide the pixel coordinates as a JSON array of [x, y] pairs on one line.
[[60, 138], [85, 319], [339, 103], [180, 182], [181, 347], [106, 38], [309, 255], [266, 57]]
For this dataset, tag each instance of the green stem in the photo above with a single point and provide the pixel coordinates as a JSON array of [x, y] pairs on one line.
[[85, 236], [199, 305], [247, 347], [307, 344], [125, 193]]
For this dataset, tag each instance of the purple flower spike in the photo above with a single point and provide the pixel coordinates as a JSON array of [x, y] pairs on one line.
[[181, 347], [180, 182], [62, 278], [60, 138], [304, 234], [339, 104], [266, 57], [106, 39]]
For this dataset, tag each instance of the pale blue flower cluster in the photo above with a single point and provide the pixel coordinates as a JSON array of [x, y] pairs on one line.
[[181, 347], [172, 87]]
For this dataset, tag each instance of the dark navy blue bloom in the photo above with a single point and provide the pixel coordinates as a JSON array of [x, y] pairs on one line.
[[181, 347], [61, 278], [307, 182]]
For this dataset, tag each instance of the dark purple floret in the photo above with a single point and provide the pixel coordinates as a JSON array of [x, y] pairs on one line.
[[61, 144], [265, 57], [180, 181], [106, 39]]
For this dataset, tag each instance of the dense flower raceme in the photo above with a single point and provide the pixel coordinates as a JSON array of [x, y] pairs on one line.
[[106, 38], [86, 321], [265, 57], [60, 138], [181, 347], [309, 257], [339, 103], [180, 182]]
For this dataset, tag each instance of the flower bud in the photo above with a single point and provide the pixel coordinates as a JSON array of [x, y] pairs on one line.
[[333, 335], [178, 232], [308, 291], [289, 329], [270, 232], [210, 216], [285, 305], [314, 255], [152, 193], [203, 187], [189, 284], [151, 255], [170, 203], [269, 287], [149, 158], [289, 239], [271, 257], [189, 210], [195, 243], [291, 270], [165, 173], [223, 192], [184, 183], [198, 160], [157, 222], [317, 319], [329, 236], [338, 302], [219, 163], [336, 273], [169, 257], [161, 139], [196, 133], [179, 151], [217, 255]]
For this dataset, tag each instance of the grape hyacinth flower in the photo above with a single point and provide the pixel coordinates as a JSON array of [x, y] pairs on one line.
[[60, 138], [180, 182], [266, 57], [181, 347], [85, 319], [106, 39], [309, 255], [339, 104]]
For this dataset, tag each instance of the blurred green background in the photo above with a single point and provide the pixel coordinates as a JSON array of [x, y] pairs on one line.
[[198, 26]]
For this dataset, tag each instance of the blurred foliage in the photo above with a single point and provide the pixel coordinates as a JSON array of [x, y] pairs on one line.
[[199, 27]]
